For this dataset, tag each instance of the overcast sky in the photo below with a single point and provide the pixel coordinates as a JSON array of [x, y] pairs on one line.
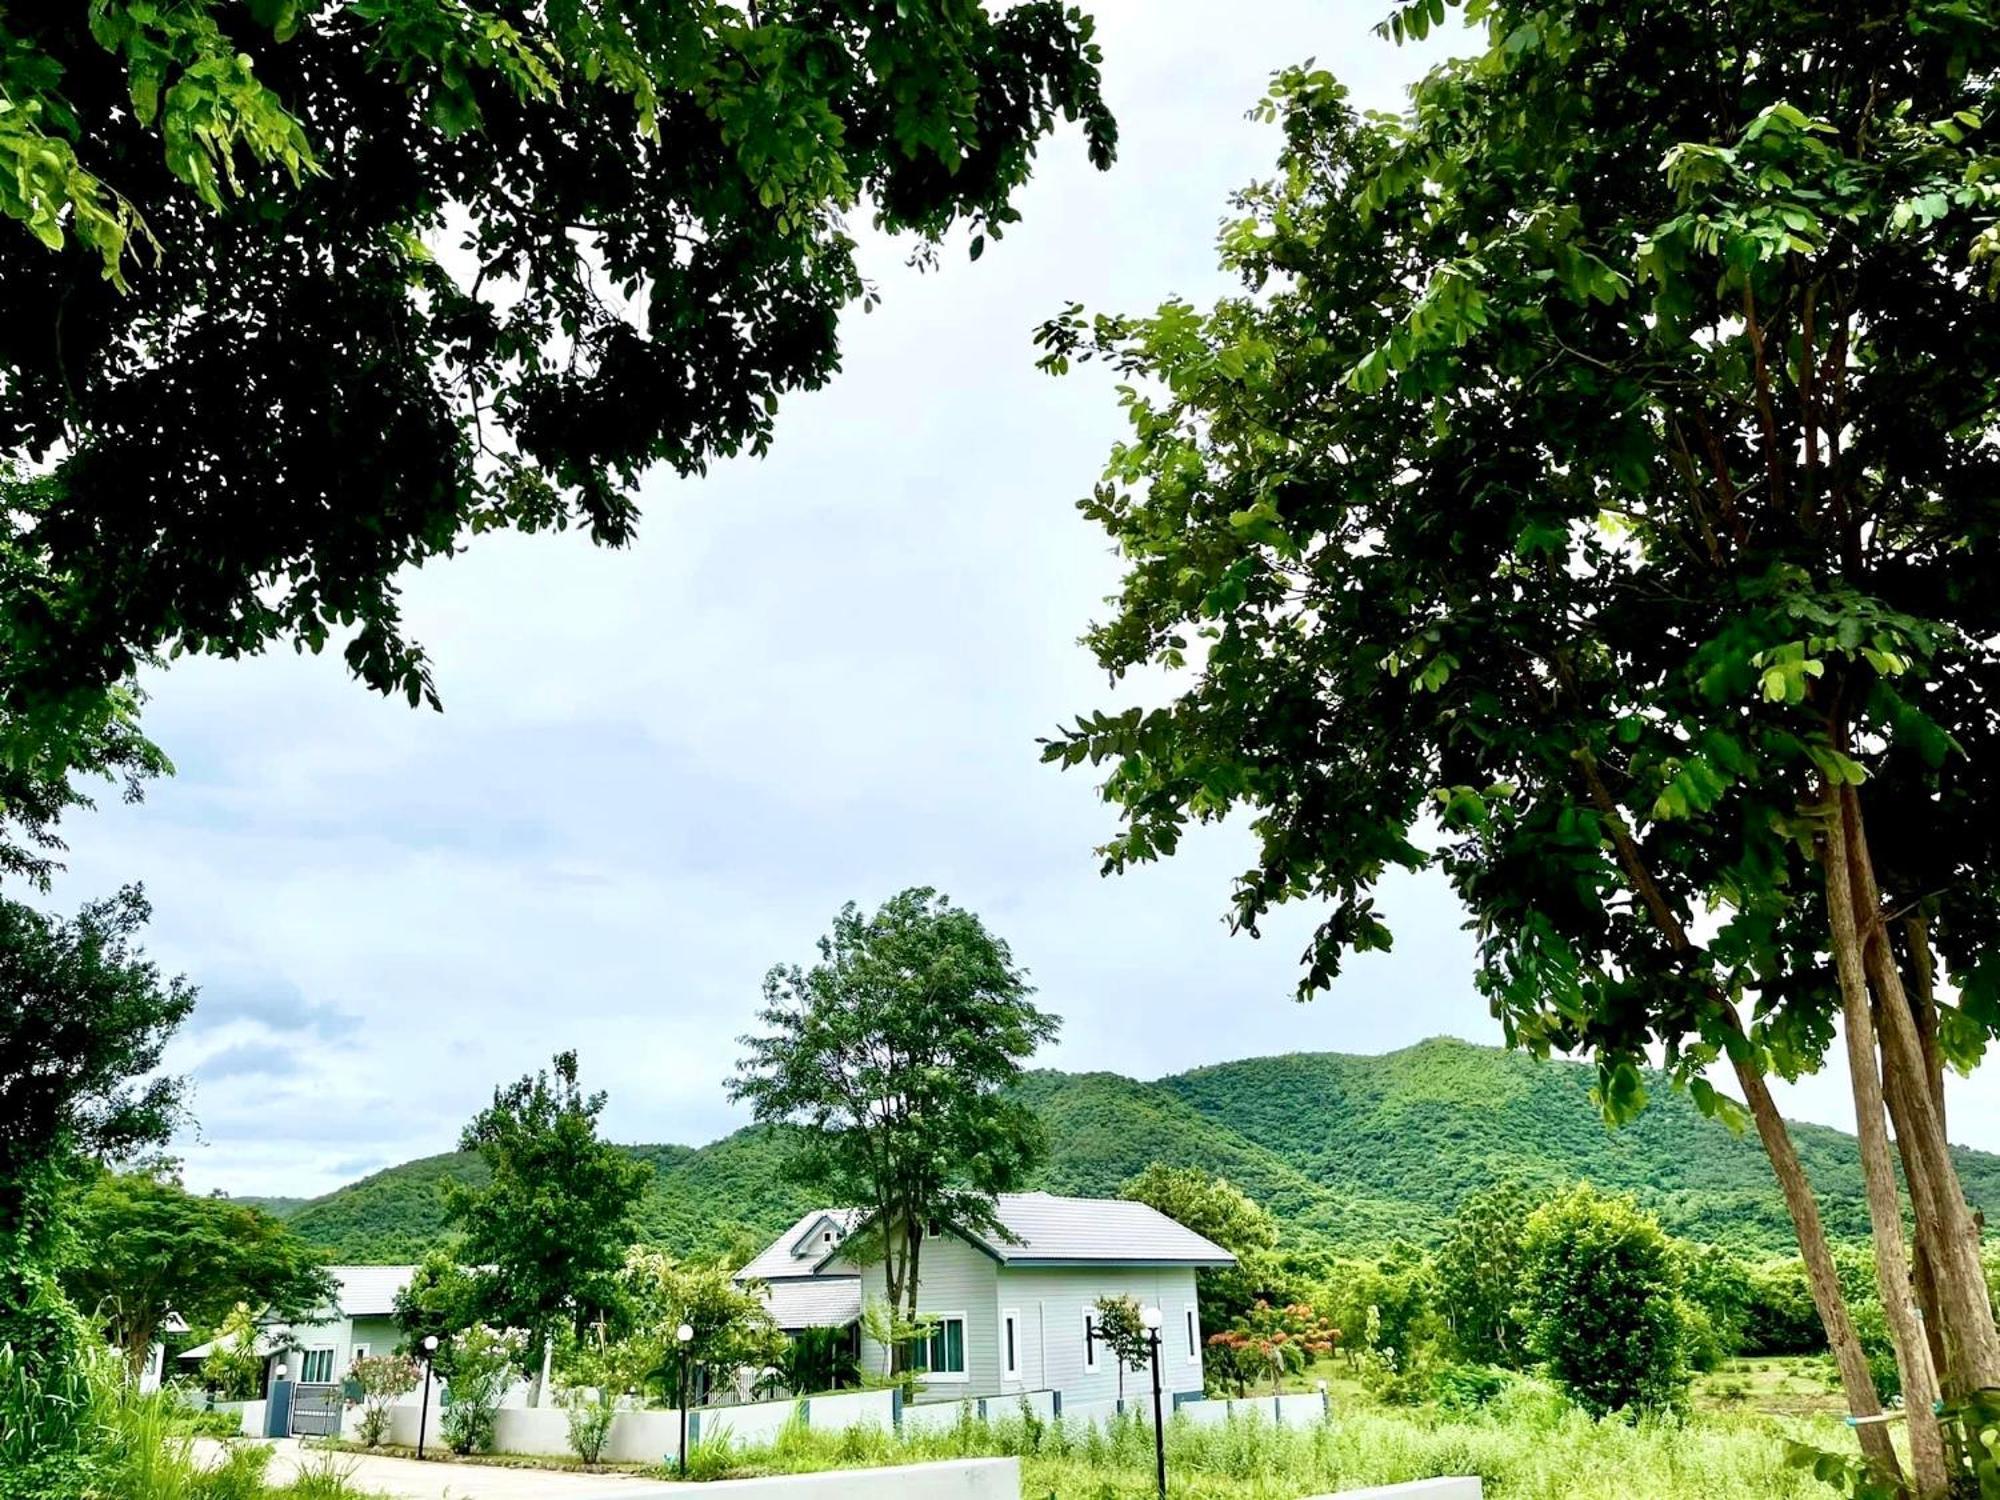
[[817, 677]]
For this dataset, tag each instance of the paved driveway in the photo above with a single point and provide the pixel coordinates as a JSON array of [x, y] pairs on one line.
[[406, 1479]]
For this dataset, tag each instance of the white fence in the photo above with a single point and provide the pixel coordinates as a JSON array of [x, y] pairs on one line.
[[1286, 1411], [1466, 1488]]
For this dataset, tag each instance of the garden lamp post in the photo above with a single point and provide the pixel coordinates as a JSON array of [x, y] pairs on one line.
[[430, 1348], [1151, 1318], [683, 1336]]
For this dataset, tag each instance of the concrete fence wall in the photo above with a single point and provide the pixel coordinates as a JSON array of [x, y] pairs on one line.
[[1286, 1411], [958, 1479], [252, 1413], [1417, 1489]]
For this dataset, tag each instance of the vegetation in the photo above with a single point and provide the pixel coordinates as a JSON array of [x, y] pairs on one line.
[[233, 1369], [383, 1378], [1353, 1152], [891, 1059], [1528, 1444], [549, 1226], [484, 1361], [1591, 463], [732, 1331], [1601, 1309], [1216, 1209], [1269, 1343], [1121, 1328], [155, 1249]]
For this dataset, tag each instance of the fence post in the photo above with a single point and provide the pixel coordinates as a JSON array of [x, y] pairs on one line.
[[806, 1413], [1055, 1402], [896, 1407]]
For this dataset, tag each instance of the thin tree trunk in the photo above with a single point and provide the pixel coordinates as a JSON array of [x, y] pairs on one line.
[[1885, 1214], [1800, 1201], [1821, 1275], [1947, 1237]]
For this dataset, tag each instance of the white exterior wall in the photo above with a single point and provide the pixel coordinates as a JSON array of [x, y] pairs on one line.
[[952, 1277], [1052, 1305]]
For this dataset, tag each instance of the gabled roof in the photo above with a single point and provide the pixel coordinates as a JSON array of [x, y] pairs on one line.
[[799, 1249], [814, 1302], [369, 1291]]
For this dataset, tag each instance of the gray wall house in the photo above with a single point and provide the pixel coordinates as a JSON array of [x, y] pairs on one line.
[[362, 1321], [1013, 1313]]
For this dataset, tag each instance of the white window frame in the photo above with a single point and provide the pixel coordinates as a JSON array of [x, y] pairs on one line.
[[1193, 1336], [955, 1377], [307, 1354], [1091, 1339], [1010, 1344], [360, 1351]]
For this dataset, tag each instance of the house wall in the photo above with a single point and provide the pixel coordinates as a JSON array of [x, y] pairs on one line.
[[379, 1335], [1052, 1305], [957, 1277], [952, 1277]]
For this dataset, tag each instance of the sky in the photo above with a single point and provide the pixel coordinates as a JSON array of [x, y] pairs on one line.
[[817, 677]]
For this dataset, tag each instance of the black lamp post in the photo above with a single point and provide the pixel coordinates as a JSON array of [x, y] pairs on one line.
[[1151, 1318], [684, 1335], [430, 1347]]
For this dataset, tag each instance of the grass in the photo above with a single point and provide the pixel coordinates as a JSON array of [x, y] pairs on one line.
[[1528, 1445], [145, 1452]]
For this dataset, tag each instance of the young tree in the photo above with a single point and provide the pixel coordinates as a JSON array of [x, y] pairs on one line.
[[484, 1361], [528, 257], [1601, 1303], [383, 1379], [1479, 1273], [151, 1249], [893, 1054], [233, 1368], [441, 1300], [732, 1328], [1121, 1328], [1218, 1210], [550, 1227], [1595, 471], [1272, 1342]]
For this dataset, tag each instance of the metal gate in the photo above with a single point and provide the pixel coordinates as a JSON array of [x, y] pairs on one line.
[[316, 1411]]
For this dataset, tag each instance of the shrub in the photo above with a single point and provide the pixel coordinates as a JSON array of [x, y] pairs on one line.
[[590, 1410], [484, 1362], [382, 1378], [1601, 1303], [52, 1375], [233, 1368], [1458, 1388]]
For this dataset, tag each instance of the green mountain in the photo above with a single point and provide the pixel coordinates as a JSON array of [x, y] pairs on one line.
[[1353, 1150]]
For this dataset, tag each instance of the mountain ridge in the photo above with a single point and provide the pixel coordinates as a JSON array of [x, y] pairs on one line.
[[1353, 1150]]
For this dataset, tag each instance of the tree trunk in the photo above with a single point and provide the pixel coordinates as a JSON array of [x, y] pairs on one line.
[[1947, 1237], [1821, 1275], [1885, 1214]]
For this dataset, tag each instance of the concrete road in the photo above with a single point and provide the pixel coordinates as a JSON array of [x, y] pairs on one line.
[[406, 1479]]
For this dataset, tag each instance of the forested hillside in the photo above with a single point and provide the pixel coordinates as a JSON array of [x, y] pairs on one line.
[[1354, 1150]]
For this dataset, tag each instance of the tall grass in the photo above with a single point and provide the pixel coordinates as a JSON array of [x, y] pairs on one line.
[[144, 1451], [1528, 1445]]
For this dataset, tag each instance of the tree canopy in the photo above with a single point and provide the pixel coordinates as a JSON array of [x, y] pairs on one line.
[[893, 1054], [151, 1249], [1589, 497], [325, 287], [549, 1228]]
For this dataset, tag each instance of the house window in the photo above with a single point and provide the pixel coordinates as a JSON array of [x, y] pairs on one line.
[[1194, 1337], [942, 1355], [316, 1367], [360, 1353], [933, 1230], [1010, 1343], [1090, 1341]]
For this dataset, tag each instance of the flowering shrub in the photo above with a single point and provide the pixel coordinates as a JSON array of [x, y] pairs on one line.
[[1273, 1341], [382, 1378], [484, 1362]]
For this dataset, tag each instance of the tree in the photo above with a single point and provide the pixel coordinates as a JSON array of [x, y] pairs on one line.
[[732, 1328], [1601, 1303], [1479, 1273], [893, 1055], [84, 1019], [550, 1226], [528, 253], [1717, 1290], [152, 1249], [1594, 469], [441, 1300], [233, 1368], [1121, 1328], [1272, 1342], [1216, 1209], [484, 1362]]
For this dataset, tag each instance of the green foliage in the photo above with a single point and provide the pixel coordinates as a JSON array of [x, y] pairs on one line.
[[1214, 1208], [150, 1249], [1779, 1317], [382, 1379], [490, 240], [441, 1300], [1349, 1152], [1717, 1292], [891, 1059], [732, 1328], [1121, 1328], [484, 1362], [1271, 1343], [814, 1360], [53, 1375], [1601, 1306], [550, 1225], [232, 1368], [1479, 1274]]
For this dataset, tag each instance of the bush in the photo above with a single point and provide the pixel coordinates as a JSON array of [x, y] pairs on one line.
[[484, 1362], [590, 1411], [1458, 1388], [1601, 1303], [382, 1378], [52, 1376]]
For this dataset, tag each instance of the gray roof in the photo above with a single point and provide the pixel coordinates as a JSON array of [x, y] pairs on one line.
[[370, 1291], [1045, 1230], [814, 1302], [798, 1251]]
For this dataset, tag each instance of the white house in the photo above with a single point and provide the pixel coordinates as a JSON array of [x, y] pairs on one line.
[[1010, 1313], [361, 1321]]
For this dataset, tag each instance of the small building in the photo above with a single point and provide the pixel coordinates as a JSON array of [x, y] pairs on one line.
[[362, 1321], [1010, 1312]]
